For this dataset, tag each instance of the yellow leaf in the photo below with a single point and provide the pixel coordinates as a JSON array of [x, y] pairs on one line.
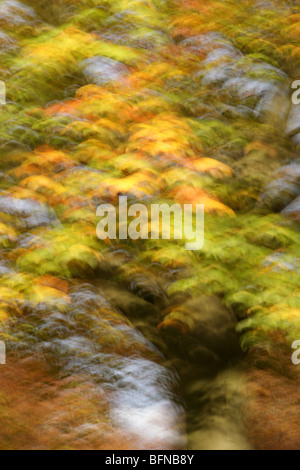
[[214, 167]]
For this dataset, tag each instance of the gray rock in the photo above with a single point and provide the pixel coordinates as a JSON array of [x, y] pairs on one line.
[[151, 39], [218, 74], [224, 51], [220, 59], [279, 262], [290, 172], [31, 213], [293, 124], [296, 139], [264, 83], [102, 70], [274, 106], [207, 42], [245, 87], [280, 193], [6, 42], [16, 13], [293, 210], [5, 268]]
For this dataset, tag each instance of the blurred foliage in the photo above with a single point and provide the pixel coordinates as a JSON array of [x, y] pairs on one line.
[[191, 108]]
